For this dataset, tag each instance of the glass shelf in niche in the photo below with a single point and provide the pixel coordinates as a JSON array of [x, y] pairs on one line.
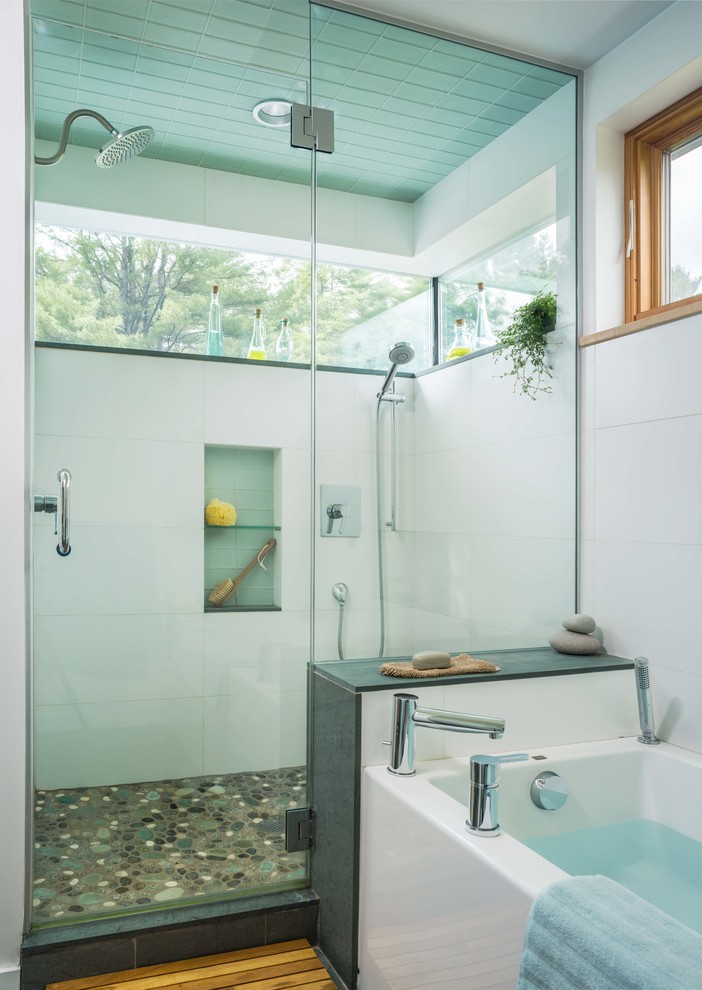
[[268, 526]]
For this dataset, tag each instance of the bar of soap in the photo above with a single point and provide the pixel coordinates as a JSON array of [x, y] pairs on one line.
[[431, 660]]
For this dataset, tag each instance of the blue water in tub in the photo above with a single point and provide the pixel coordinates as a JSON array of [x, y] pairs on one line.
[[656, 862]]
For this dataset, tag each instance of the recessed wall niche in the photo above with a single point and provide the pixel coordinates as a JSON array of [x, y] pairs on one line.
[[242, 477]]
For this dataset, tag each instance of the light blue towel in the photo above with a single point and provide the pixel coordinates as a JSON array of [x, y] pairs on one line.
[[590, 933]]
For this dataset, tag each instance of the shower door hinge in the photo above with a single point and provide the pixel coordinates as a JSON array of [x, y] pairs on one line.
[[312, 127], [300, 829]]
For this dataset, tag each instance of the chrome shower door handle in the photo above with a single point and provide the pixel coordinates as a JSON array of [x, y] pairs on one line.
[[63, 548]]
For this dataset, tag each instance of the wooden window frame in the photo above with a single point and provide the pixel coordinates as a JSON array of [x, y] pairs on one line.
[[644, 150]]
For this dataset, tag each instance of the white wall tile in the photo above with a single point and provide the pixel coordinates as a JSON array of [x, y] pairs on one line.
[[294, 561], [484, 637], [588, 440], [434, 631], [650, 375], [442, 486], [588, 365], [524, 488], [647, 599], [255, 731], [117, 743], [545, 711], [521, 584], [677, 701], [442, 573], [498, 415], [442, 409], [293, 492], [105, 658], [335, 411], [366, 388], [648, 477], [120, 570], [238, 409], [124, 482], [88, 394], [249, 651]]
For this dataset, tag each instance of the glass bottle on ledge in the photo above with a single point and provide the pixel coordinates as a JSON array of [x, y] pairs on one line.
[[257, 347], [284, 344], [215, 344], [462, 343], [483, 334]]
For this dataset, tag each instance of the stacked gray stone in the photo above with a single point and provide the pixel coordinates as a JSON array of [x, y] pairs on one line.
[[576, 636]]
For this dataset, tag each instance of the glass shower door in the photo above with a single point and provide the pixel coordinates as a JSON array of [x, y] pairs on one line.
[[170, 714]]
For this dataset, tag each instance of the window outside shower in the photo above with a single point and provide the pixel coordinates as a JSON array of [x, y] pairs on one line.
[[98, 289]]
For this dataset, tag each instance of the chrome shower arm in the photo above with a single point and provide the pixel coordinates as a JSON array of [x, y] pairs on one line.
[[55, 158]]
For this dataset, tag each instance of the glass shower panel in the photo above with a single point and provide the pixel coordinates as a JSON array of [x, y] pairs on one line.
[[171, 645], [457, 165]]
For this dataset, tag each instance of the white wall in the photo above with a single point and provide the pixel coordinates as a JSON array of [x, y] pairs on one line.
[[132, 681], [494, 507], [13, 494], [642, 412]]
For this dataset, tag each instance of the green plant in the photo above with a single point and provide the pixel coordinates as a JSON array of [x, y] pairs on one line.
[[524, 343]]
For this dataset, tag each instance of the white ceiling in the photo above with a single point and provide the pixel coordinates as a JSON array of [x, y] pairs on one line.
[[573, 33]]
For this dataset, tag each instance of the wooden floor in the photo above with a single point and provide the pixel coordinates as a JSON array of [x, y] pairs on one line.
[[269, 967]]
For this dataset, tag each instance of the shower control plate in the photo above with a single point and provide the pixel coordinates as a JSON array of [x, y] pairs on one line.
[[340, 510]]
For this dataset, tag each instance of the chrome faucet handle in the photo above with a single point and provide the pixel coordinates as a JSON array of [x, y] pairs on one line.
[[484, 770], [484, 791]]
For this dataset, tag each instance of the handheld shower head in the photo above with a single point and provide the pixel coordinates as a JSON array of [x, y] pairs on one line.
[[120, 149], [400, 353], [124, 146]]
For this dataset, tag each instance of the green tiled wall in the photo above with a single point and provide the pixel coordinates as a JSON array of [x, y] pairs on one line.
[[244, 477]]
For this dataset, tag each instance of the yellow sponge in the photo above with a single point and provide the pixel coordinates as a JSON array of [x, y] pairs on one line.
[[220, 513]]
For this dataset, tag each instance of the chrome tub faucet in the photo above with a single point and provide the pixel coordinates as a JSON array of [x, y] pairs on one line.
[[407, 716], [485, 791]]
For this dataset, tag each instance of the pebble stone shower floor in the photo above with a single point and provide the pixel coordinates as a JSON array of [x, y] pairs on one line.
[[102, 850]]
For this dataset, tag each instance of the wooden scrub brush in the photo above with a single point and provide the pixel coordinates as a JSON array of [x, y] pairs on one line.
[[226, 588]]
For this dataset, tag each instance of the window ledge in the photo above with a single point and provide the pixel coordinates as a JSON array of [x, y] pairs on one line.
[[644, 323]]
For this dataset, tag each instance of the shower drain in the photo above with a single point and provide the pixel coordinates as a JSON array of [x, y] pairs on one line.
[[272, 826]]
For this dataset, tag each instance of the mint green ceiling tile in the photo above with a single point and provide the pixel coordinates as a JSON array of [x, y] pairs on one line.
[[447, 65], [193, 18], [549, 75], [503, 115], [492, 76], [348, 37], [60, 10], [242, 13], [394, 120], [115, 23], [406, 38], [535, 87], [174, 37], [155, 69], [337, 56], [518, 101], [481, 125], [374, 65], [438, 129], [434, 84]]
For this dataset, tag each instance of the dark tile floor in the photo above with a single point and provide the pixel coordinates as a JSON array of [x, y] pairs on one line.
[[102, 850]]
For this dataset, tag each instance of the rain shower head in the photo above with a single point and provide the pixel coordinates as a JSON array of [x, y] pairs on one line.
[[121, 148], [400, 353], [124, 146]]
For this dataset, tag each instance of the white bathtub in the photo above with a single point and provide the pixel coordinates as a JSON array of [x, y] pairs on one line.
[[440, 907]]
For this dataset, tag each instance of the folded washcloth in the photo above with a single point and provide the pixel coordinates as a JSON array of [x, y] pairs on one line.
[[462, 664], [590, 933]]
